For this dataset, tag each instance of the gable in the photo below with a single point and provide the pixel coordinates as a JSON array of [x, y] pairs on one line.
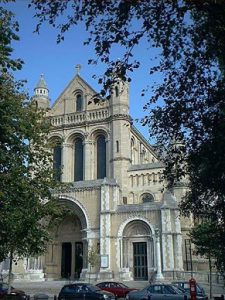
[[68, 101]]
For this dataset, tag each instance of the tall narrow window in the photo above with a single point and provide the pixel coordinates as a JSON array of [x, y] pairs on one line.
[[101, 157], [57, 162], [79, 102], [78, 160], [117, 91], [117, 146]]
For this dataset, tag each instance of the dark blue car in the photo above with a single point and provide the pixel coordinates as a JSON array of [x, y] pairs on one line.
[[87, 291]]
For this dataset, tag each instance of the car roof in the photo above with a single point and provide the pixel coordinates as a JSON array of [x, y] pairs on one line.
[[78, 283], [108, 282]]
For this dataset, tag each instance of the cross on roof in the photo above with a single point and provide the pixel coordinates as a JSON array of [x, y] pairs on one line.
[[78, 68]]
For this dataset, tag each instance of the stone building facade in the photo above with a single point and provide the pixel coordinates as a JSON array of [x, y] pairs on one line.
[[120, 211]]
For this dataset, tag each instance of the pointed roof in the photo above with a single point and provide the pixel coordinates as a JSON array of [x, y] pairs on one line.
[[41, 83], [77, 77]]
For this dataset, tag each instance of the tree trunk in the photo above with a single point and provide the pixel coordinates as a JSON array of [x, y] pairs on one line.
[[10, 271], [210, 277]]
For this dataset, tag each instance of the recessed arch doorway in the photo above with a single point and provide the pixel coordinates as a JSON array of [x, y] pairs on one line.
[[138, 249], [67, 254]]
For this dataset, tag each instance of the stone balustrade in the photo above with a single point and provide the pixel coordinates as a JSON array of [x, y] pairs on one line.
[[80, 117]]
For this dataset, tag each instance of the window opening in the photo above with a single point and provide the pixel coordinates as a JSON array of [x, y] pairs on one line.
[[57, 162], [79, 103], [78, 160], [101, 157], [117, 146]]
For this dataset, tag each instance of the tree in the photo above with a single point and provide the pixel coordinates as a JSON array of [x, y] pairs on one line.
[[93, 258], [207, 238], [186, 114], [26, 176]]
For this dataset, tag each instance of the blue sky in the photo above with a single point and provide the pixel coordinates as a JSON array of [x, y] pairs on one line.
[[42, 55]]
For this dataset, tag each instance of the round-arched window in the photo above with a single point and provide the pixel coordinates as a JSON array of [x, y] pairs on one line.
[[101, 157], [79, 102], [147, 197]]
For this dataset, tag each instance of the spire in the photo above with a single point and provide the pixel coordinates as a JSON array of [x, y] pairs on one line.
[[41, 93], [41, 83], [41, 89]]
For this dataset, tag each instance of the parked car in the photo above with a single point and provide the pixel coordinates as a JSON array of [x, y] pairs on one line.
[[20, 295], [87, 291], [201, 295], [158, 291], [117, 288]]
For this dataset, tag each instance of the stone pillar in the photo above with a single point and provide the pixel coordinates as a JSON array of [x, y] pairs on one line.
[[67, 162], [178, 259], [105, 222], [167, 239], [108, 155], [88, 165], [105, 231], [159, 274]]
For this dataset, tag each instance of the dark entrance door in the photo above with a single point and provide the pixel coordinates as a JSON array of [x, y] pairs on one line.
[[140, 261], [66, 260]]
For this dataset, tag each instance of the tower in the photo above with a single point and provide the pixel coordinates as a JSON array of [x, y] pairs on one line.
[[120, 138], [41, 94]]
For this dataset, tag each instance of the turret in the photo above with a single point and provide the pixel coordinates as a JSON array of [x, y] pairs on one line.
[[119, 101], [120, 134], [41, 94]]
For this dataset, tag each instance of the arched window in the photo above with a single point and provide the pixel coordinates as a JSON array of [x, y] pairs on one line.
[[101, 157], [79, 102], [57, 162], [147, 198], [78, 160], [132, 151], [117, 146]]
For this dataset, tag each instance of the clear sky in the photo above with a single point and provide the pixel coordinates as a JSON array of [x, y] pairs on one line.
[[42, 55]]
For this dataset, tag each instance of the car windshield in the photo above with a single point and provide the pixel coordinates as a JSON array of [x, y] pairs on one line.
[[123, 285], [178, 290], [94, 288]]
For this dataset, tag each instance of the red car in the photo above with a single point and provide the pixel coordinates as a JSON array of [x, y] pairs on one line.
[[119, 289]]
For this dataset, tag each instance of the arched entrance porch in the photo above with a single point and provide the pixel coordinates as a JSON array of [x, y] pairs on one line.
[[67, 253]]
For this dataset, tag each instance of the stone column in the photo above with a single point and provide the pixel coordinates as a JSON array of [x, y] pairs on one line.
[[178, 243], [105, 230], [167, 239], [88, 166], [105, 222], [159, 274], [67, 162], [108, 155]]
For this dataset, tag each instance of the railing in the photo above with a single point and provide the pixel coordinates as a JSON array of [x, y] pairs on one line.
[[80, 117]]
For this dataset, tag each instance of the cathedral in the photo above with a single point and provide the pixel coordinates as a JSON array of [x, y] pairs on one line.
[[124, 224]]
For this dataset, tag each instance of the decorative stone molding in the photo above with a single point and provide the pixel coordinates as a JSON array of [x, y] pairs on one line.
[[119, 159]]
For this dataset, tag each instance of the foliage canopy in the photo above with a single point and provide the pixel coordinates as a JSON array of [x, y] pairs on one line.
[[26, 177]]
